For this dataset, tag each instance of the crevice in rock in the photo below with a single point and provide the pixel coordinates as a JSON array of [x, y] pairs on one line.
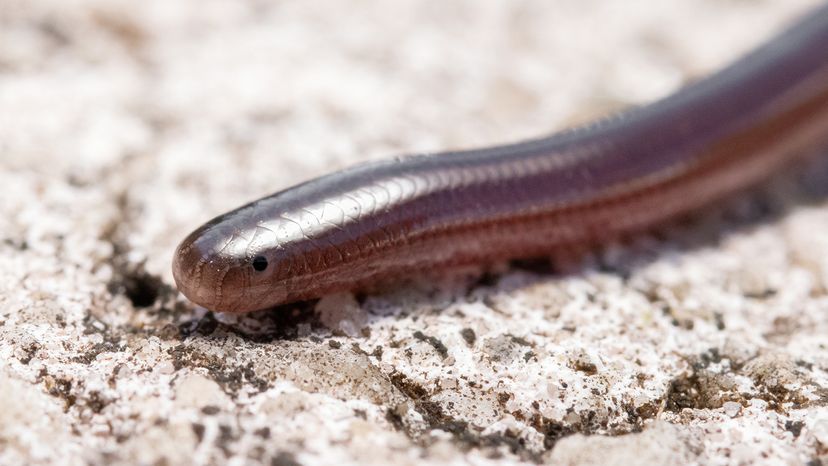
[[467, 436], [130, 278]]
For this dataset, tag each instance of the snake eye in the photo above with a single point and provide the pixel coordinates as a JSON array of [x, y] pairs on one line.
[[259, 263]]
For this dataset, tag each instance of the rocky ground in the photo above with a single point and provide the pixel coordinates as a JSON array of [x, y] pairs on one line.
[[124, 125]]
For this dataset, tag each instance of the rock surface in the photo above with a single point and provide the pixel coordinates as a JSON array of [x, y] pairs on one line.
[[123, 126]]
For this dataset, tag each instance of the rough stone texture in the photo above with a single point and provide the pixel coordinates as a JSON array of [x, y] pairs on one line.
[[124, 125]]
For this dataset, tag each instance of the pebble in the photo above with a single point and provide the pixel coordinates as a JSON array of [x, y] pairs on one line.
[[731, 408]]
